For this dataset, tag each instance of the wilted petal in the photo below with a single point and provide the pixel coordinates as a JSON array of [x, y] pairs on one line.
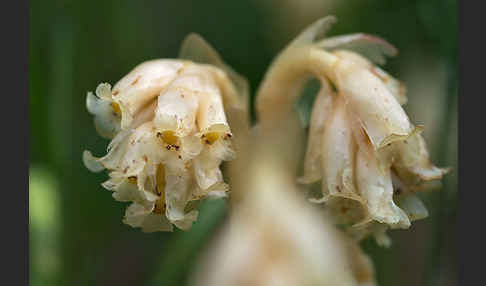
[[321, 111], [380, 113], [375, 48], [177, 191], [91, 162], [412, 206], [186, 222], [338, 154], [116, 150], [375, 185], [143, 147], [106, 117], [412, 162], [137, 215], [206, 170], [127, 191]]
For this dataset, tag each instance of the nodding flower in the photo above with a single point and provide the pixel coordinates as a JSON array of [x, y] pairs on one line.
[[169, 121], [361, 144]]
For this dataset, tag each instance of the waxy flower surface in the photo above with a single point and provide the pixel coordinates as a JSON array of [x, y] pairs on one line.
[[371, 160], [168, 123]]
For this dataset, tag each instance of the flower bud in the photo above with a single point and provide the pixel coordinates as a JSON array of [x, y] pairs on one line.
[[170, 133]]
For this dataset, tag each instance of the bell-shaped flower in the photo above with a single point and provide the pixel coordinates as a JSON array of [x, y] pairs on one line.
[[362, 146], [170, 135]]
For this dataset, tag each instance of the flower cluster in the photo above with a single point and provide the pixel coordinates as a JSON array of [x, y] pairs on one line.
[[169, 130], [361, 145]]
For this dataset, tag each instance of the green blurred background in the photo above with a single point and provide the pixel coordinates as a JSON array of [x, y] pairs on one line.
[[75, 229]]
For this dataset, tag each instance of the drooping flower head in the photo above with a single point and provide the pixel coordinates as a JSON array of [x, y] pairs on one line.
[[169, 121], [361, 145]]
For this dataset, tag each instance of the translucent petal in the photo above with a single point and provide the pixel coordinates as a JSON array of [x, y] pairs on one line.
[[206, 169], [107, 121], [374, 48], [178, 191], [316, 30], [137, 215], [186, 222], [129, 192], [91, 162], [412, 206], [116, 150], [196, 49], [103, 91]]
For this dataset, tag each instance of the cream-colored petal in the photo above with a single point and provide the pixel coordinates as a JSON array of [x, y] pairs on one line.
[[369, 99], [103, 91], [211, 113], [375, 48], [412, 206], [178, 191], [196, 49], [143, 147], [345, 211], [128, 191], [91, 162], [116, 150], [196, 78], [206, 169], [142, 85], [106, 120], [186, 222], [412, 162], [176, 111], [321, 111], [191, 146], [137, 215], [375, 186], [316, 30], [396, 87], [338, 154]]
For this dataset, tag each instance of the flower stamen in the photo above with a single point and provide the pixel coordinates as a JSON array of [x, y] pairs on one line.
[[211, 137], [132, 179], [116, 108], [168, 137]]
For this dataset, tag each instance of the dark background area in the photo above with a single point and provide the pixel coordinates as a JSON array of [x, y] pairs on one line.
[[75, 229]]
